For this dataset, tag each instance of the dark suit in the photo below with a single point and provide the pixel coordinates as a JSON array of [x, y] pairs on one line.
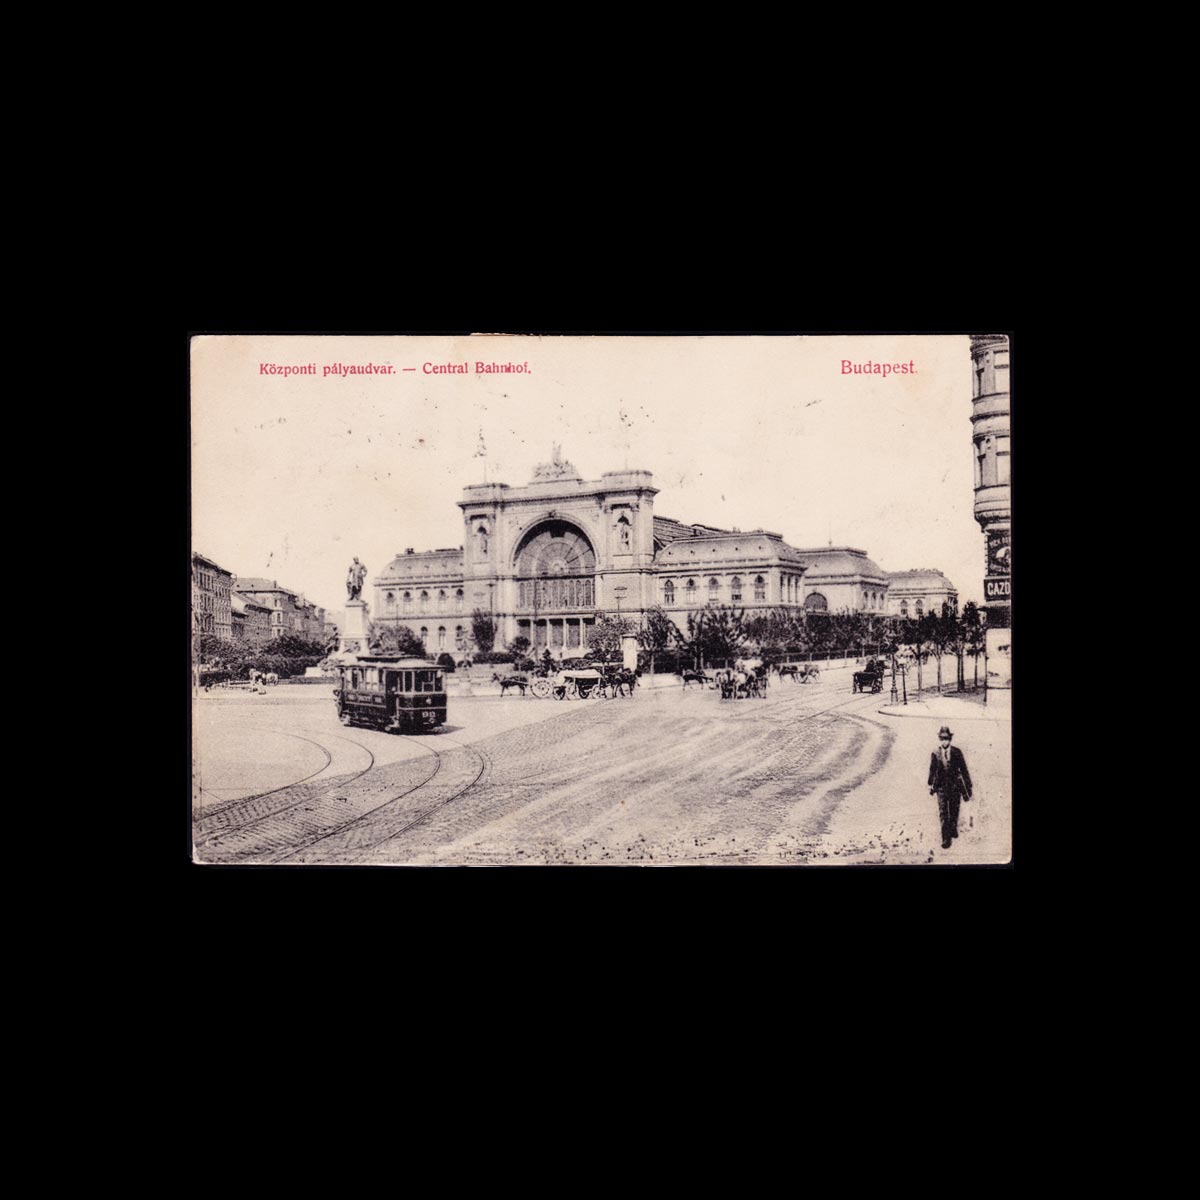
[[952, 783]]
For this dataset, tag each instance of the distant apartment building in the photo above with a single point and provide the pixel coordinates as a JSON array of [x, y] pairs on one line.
[[288, 610], [211, 588], [251, 620]]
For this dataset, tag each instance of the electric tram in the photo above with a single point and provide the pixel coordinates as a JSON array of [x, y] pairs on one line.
[[389, 692]]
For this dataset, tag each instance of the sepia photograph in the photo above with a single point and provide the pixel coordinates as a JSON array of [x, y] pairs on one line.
[[529, 600]]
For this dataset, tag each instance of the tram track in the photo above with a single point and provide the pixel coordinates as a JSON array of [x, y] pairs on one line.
[[223, 806], [351, 840], [220, 821]]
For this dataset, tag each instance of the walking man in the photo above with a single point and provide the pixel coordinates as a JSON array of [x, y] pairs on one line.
[[950, 781]]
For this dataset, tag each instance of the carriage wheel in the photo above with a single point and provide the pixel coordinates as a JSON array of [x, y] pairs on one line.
[[540, 688]]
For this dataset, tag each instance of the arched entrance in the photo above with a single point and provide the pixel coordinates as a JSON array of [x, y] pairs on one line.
[[555, 568]]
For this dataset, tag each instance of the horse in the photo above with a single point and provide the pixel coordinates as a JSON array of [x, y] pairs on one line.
[[790, 670], [271, 678], [690, 676], [510, 681], [621, 680]]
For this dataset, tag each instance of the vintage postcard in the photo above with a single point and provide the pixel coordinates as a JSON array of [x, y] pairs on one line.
[[501, 600]]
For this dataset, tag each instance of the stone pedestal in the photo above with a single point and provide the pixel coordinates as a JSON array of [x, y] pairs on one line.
[[355, 629]]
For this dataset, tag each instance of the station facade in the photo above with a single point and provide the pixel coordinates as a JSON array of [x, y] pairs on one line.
[[545, 558]]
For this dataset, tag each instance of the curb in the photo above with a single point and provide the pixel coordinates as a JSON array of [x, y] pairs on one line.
[[996, 715]]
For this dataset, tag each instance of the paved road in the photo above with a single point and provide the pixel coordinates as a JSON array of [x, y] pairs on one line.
[[670, 776]]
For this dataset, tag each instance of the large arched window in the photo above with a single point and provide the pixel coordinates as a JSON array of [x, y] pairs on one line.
[[460, 638], [555, 568], [691, 591], [407, 601], [815, 602], [760, 588], [424, 635], [424, 602], [441, 637], [458, 600], [920, 609], [904, 608], [669, 592], [714, 590], [735, 589], [391, 599], [441, 601]]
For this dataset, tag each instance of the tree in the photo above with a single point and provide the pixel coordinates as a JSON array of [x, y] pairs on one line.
[[483, 630], [723, 633], [973, 634], [604, 640], [657, 633], [690, 639], [386, 638], [775, 630], [292, 645], [520, 647]]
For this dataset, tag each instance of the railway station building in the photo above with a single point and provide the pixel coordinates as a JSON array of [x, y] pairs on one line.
[[543, 559]]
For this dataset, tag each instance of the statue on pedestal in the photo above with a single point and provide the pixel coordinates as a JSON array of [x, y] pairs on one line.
[[354, 579]]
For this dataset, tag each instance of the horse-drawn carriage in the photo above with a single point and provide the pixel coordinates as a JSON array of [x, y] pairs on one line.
[[574, 683], [870, 678], [599, 681], [741, 683], [799, 672]]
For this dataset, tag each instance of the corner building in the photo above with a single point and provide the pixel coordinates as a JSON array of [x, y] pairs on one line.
[[545, 558]]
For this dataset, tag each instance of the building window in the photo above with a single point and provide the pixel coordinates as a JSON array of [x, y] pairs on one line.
[[481, 540], [714, 590], [1002, 460], [904, 608], [735, 589], [424, 602], [391, 599], [458, 600], [815, 602], [459, 638], [691, 591], [424, 635], [441, 637], [669, 592], [920, 609], [760, 588], [441, 601]]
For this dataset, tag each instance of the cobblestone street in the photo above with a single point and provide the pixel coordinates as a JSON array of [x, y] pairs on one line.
[[811, 774]]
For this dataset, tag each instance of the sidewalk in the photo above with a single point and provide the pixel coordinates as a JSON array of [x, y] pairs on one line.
[[953, 708]]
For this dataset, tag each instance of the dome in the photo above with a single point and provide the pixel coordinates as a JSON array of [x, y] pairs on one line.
[[839, 561], [921, 579]]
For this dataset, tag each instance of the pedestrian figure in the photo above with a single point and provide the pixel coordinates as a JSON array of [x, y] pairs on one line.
[[950, 781]]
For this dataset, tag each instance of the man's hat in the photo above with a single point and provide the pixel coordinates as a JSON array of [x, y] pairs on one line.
[[945, 732]]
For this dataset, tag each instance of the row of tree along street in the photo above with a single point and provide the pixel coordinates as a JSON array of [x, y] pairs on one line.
[[219, 659], [713, 636], [718, 634]]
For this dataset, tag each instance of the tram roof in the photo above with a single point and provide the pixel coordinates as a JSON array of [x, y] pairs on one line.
[[394, 660]]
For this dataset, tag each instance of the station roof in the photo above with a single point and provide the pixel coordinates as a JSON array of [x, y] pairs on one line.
[[836, 561]]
